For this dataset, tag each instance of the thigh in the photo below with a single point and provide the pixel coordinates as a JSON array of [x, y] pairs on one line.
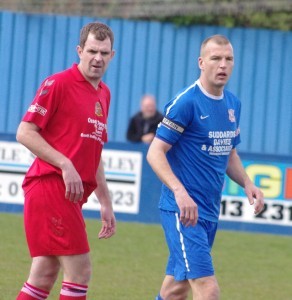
[[53, 224], [76, 268]]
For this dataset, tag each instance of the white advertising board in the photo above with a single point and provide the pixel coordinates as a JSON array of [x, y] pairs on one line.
[[122, 170]]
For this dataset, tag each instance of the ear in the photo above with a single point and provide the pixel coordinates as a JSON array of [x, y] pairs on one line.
[[79, 50], [201, 63], [113, 53]]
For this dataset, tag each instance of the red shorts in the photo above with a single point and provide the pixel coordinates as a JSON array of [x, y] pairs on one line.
[[53, 224]]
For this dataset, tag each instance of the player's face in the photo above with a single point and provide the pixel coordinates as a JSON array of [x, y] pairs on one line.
[[216, 64], [94, 58]]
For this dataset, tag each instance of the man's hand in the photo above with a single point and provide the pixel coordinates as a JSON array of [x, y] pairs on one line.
[[108, 220], [73, 183], [188, 208], [255, 196]]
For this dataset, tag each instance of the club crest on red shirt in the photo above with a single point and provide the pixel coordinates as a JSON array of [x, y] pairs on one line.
[[98, 109]]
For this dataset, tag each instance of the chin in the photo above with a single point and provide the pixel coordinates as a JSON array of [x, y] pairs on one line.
[[94, 76], [220, 85]]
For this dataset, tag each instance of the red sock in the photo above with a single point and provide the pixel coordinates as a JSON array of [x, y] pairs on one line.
[[73, 291], [29, 292]]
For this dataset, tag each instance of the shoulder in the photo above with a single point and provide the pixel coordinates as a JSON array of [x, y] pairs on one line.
[[58, 79], [184, 97], [187, 93]]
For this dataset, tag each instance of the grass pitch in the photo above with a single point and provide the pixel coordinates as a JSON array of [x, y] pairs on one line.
[[130, 265]]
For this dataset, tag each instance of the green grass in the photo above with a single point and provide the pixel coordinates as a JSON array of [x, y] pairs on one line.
[[130, 266]]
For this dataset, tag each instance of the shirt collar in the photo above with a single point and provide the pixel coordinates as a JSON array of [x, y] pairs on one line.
[[198, 82], [78, 75]]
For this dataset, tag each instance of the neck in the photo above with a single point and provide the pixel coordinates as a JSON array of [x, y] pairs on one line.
[[211, 89], [93, 82]]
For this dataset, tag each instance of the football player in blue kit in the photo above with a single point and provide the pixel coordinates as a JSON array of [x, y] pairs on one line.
[[194, 147]]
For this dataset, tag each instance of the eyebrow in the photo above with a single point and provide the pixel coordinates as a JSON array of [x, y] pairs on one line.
[[216, 55]]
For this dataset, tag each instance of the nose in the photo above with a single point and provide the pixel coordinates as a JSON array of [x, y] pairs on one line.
[[223, 63], [97, 57]]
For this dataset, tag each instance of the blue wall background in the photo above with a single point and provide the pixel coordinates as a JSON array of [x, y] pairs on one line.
[[151, 57]]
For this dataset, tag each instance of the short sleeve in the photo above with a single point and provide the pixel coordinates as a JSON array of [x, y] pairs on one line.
[[178, 115], [45, 103]]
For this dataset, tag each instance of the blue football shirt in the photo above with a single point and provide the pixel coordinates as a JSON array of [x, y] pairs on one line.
[[202, 130]]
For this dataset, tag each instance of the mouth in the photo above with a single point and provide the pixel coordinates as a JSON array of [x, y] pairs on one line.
[[222, 75], [96, 67]]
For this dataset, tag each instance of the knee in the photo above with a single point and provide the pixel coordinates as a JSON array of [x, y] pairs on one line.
[[45, 279], [206, 288], [175, 295], [170, 295], [213, 291], [80, 276], [178, 290], [85, 275]]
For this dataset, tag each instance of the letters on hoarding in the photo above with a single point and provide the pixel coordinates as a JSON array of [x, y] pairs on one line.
[[123, 170]]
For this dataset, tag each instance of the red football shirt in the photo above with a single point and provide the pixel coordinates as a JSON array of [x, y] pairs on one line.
[[72, 116]]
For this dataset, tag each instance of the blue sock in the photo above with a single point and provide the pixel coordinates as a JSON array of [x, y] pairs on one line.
[[158, 297]]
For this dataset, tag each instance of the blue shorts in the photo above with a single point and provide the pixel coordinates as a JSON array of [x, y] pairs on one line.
[[189, 247]]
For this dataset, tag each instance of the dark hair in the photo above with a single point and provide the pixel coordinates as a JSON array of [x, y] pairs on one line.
[[100, 30]]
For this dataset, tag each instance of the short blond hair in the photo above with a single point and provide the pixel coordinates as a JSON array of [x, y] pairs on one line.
[[217, 39]]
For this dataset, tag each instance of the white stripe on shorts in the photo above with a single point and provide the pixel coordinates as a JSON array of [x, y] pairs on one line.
[[183, 248]]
